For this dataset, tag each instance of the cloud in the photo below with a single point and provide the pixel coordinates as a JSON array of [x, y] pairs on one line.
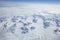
[[13, 8], [16, 8]]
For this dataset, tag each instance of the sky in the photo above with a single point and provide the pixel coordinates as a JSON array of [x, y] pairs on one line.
[[38, 1]]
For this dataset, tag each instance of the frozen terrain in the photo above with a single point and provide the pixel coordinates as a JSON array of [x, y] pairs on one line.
[[29, 21]]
